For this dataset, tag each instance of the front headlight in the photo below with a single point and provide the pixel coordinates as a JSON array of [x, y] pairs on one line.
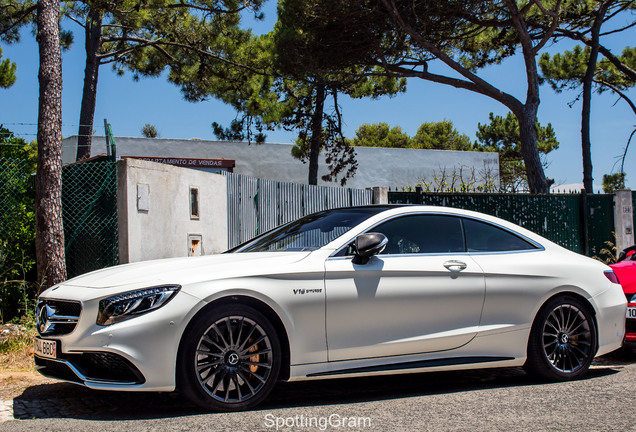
[[128, 305]]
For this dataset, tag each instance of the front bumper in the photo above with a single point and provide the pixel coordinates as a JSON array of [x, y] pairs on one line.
[[139, 354], [630, 324], [630, 330]]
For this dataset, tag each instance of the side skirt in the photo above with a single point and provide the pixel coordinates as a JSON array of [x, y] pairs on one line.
[[412, 365]]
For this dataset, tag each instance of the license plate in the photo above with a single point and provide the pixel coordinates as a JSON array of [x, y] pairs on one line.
[[47, 348], [631, 312]]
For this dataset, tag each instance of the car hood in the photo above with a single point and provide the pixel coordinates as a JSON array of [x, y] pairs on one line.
[[186, 270]]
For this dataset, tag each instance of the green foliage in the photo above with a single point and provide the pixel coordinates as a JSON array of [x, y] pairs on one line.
[[263, 84], [613, 182], [402, 39], [564, 71], [440, 136], [7, 72], [381, 135], [235, 132], [567, 70], [430, 135], [17, 225], [240, 75], [149, 131], [585, 68], [17, 148], [502, 135], [148, 39]]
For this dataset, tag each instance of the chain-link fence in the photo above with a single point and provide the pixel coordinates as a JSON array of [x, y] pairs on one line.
[[14, 181], [89, 209], [17, 233]]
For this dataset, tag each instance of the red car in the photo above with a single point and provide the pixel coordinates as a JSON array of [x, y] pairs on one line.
[[625, 270]]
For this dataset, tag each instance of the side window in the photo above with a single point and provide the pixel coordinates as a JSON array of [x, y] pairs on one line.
[[414, 234], [483, 237]]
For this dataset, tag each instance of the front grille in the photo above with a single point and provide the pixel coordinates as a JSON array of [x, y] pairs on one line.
[[630, 326], [70, 308], [55, 369], [91, 366], [108, 367], [57, 317]]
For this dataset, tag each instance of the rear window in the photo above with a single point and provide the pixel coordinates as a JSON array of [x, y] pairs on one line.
[[484, 237]]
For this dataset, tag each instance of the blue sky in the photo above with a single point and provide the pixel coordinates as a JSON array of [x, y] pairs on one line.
[[128, 105]]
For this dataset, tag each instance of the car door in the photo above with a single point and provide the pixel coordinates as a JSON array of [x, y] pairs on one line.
[[516, 271], [424, 293]]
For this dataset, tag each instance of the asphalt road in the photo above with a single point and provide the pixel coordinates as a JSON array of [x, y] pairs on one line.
[[487, 400]]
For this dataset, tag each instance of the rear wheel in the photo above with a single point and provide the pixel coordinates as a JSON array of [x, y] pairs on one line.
[[563, 340], [229, 359]]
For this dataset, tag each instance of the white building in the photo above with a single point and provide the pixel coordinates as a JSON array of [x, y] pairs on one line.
[[395, 168]]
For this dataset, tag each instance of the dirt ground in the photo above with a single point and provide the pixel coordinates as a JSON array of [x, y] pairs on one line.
[[13, 383], [16, 368]]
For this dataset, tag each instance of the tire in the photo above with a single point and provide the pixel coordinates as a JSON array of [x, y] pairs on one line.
[[229, 359], [563, 340]]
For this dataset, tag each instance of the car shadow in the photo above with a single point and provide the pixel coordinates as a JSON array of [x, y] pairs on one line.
[[353, 390], [65, 400]]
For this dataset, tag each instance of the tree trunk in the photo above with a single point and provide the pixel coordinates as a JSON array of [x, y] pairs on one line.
[[315, 143], [537, 183], [49, 240], [527, 114], [89, 94], [586, 144]]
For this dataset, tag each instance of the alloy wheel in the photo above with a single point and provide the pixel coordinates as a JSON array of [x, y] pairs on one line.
[[233, 360], [567, 338]]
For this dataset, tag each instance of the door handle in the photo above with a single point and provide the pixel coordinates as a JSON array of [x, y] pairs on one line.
[[455, 265]]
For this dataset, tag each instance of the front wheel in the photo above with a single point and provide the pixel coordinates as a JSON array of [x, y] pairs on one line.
[[563, 340], [230, 359]]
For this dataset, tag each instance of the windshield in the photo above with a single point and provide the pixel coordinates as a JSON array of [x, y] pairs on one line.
[[310, 232]]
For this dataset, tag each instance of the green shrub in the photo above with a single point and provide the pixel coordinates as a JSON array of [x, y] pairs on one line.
[[17, 226]]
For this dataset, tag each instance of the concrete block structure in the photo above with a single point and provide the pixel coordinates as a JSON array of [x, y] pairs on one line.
[[165, 211], [394, 168]]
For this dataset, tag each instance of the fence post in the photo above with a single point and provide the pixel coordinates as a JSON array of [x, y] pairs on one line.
[[418, 195], [623, 219], [380, 194], [584, 211]]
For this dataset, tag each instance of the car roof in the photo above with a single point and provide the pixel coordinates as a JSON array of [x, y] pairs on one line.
[[387, 210]]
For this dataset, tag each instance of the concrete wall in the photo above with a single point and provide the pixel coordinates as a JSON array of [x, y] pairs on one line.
[[153, 206], [623, 219], [376, 166]]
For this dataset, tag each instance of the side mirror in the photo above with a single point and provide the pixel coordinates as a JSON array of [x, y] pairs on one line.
[[366, 245], [629, 253]]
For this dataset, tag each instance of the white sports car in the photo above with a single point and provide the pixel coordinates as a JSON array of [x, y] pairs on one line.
[[345, 292]]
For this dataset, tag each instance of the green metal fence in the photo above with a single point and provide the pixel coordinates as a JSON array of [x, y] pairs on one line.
[[581, 223], [598, 212], [89, 209]]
